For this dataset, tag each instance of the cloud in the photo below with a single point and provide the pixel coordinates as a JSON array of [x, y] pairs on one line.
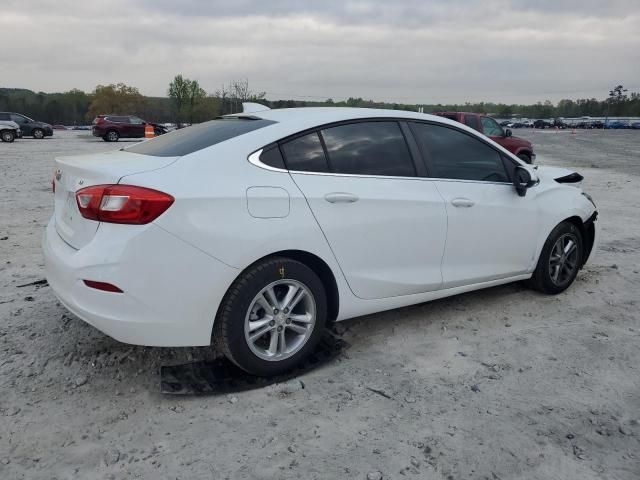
[[411, 51]]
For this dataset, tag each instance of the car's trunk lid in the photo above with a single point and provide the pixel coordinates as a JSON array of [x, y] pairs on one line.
[[75, 173]]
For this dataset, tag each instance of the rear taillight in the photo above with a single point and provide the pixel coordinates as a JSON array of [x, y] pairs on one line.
[[104, 286], [122, 204]]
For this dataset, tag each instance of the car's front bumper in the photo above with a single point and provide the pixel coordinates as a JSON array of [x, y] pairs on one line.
[[171, 290]]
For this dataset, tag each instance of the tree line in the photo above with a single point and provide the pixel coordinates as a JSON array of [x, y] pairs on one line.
[[188, 102]]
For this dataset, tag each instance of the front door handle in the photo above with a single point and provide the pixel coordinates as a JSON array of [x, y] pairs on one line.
[[462, 202], [341, 197]]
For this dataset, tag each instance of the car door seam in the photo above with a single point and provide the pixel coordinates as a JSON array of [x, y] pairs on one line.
[[446, 235], [323, 234]]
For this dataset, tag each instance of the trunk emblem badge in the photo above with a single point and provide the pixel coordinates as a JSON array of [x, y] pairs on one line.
[[81, 182], [58, 174]]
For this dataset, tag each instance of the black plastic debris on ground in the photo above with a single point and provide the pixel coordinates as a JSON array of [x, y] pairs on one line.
[[220, 376]]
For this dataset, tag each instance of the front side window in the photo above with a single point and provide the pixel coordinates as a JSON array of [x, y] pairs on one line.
[[4, 116], [456, 155], [305, 154], [19, 118], [368, 148], [491, 127]]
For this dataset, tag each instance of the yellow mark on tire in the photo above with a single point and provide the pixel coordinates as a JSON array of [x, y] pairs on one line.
[[281, 272]]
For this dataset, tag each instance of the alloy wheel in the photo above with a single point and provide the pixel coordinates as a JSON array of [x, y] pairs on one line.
[[280, 320], [39, 134], [563, 260]]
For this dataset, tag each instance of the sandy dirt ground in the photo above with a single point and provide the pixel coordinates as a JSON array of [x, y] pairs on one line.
[[499, 384]]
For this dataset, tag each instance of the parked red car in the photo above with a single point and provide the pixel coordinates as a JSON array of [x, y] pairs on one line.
[[520, 147], [113, 127]]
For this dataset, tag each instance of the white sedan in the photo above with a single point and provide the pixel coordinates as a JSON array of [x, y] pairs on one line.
[[257, 229]]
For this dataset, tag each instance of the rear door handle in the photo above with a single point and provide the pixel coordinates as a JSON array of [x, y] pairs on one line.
[[462, 202], [341, 197]]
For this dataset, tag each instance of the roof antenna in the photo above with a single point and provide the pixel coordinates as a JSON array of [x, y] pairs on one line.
[[250, 107]]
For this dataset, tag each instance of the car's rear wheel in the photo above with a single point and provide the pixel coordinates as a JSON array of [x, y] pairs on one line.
[[525, 158], [38, 133], [111, 136], [559, 261], [272, 317], [8, 136]]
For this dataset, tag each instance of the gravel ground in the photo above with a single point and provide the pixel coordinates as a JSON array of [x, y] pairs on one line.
[[503, 383]]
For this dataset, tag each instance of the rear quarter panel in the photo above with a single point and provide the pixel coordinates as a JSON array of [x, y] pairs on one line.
[[212, 214]]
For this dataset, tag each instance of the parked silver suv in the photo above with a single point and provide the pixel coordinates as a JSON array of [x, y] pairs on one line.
[[9, 131]]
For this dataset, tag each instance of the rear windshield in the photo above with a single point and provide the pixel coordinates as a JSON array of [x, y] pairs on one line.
[[196, 137]]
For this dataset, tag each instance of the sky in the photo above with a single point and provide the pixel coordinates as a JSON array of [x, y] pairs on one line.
[[413, 51]]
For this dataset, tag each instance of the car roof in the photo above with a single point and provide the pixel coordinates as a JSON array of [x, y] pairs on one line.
[[315, 116]]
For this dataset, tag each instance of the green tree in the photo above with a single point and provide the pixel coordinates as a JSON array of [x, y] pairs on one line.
[[179, 93], [196, 97], [119, 98], [617, 99]]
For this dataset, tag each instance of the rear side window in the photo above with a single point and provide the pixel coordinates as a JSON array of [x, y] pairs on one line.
[[117, 119], [305, 154], [196, 137], [457, 155], [271, 156], [368, 148], [472, 121], [4, 116]]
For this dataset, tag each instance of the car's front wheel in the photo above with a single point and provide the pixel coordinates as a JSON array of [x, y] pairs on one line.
[[38, 133], [559, 261], [8, 136], [272, 317]]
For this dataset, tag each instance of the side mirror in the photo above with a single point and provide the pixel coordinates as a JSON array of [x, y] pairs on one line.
[[507, 133], [521, 180]]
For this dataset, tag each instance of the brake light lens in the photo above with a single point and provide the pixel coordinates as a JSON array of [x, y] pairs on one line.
[[104, 286], [126, 204]]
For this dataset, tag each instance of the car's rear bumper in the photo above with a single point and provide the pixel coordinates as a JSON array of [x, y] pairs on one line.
[[171, 290]]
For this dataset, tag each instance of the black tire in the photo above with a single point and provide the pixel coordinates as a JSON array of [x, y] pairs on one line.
[[229, 326], [8, 136], [543, 276], [525, 158], [111, 136], [38, 133]]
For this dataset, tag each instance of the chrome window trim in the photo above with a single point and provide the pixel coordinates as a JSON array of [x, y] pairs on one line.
[[254, 159]]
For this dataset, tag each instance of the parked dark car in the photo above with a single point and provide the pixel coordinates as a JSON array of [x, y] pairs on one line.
[[542, 124], [616, 125], [113, 127], [635, 125], [518, 146], [29, 127]]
